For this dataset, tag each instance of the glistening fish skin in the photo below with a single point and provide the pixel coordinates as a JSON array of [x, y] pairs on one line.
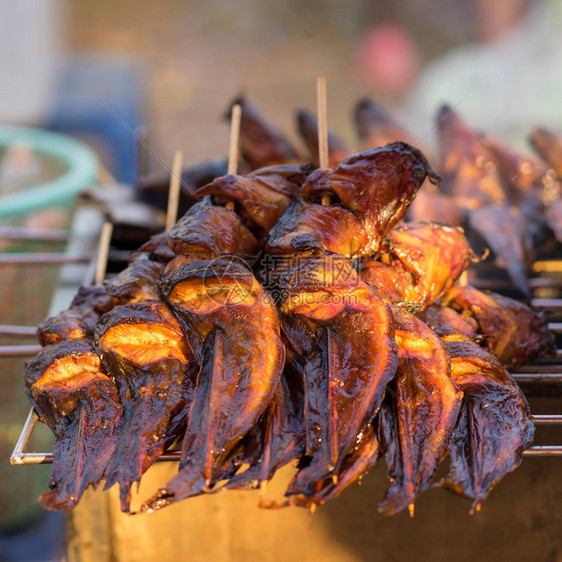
[[236, 337], [282, 432], [427, 259], [345, 333], [71, 393], [368, 195], [143, 346], [418, 414], [513, 332], [494, 425]]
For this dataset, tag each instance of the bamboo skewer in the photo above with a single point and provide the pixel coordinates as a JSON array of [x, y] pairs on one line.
[[323, 159], [103, 252], [235, 119], [322, 116], [233, 144], [174, 193], [322, 110]]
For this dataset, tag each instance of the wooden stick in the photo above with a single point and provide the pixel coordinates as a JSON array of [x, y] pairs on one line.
[[174, 193], [235, 118], [322, 116], [103, 252], [322, 110]]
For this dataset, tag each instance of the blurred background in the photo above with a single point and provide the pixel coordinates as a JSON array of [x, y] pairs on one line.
[[106, 71], [175, 65]]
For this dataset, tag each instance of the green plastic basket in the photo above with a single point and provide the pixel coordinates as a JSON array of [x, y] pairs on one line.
[[81, 170]]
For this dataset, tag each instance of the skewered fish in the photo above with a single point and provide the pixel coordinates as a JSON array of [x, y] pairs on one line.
[[419, 412], [513, 332], [362, 371], [418, 263], [345, 332], [73, 395], [241, 363], [368, 193], [345, 377], [233, 329], [142, 345], [494, 426]]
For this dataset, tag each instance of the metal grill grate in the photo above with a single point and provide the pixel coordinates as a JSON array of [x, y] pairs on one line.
[[547, 371]]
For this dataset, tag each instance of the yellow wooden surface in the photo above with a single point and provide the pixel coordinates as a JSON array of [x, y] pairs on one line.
[[520, 521], [227, 526]]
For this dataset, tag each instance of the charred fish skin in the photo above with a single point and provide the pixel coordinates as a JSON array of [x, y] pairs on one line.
[[513, 332], [157, 248], [236, 335], [377, 185], [262, 197], [208, 231], [418, 414], [310, 227], [494, 425], [71, 393], [345, 332], [282, 437], [138, 282], [369, 194], [79, 320], [418, 263], [142, 345]]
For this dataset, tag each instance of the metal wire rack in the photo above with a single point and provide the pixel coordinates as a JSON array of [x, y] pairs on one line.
[[546, 371]]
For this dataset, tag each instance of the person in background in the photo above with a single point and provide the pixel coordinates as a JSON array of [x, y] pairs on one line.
[[509, 82]]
